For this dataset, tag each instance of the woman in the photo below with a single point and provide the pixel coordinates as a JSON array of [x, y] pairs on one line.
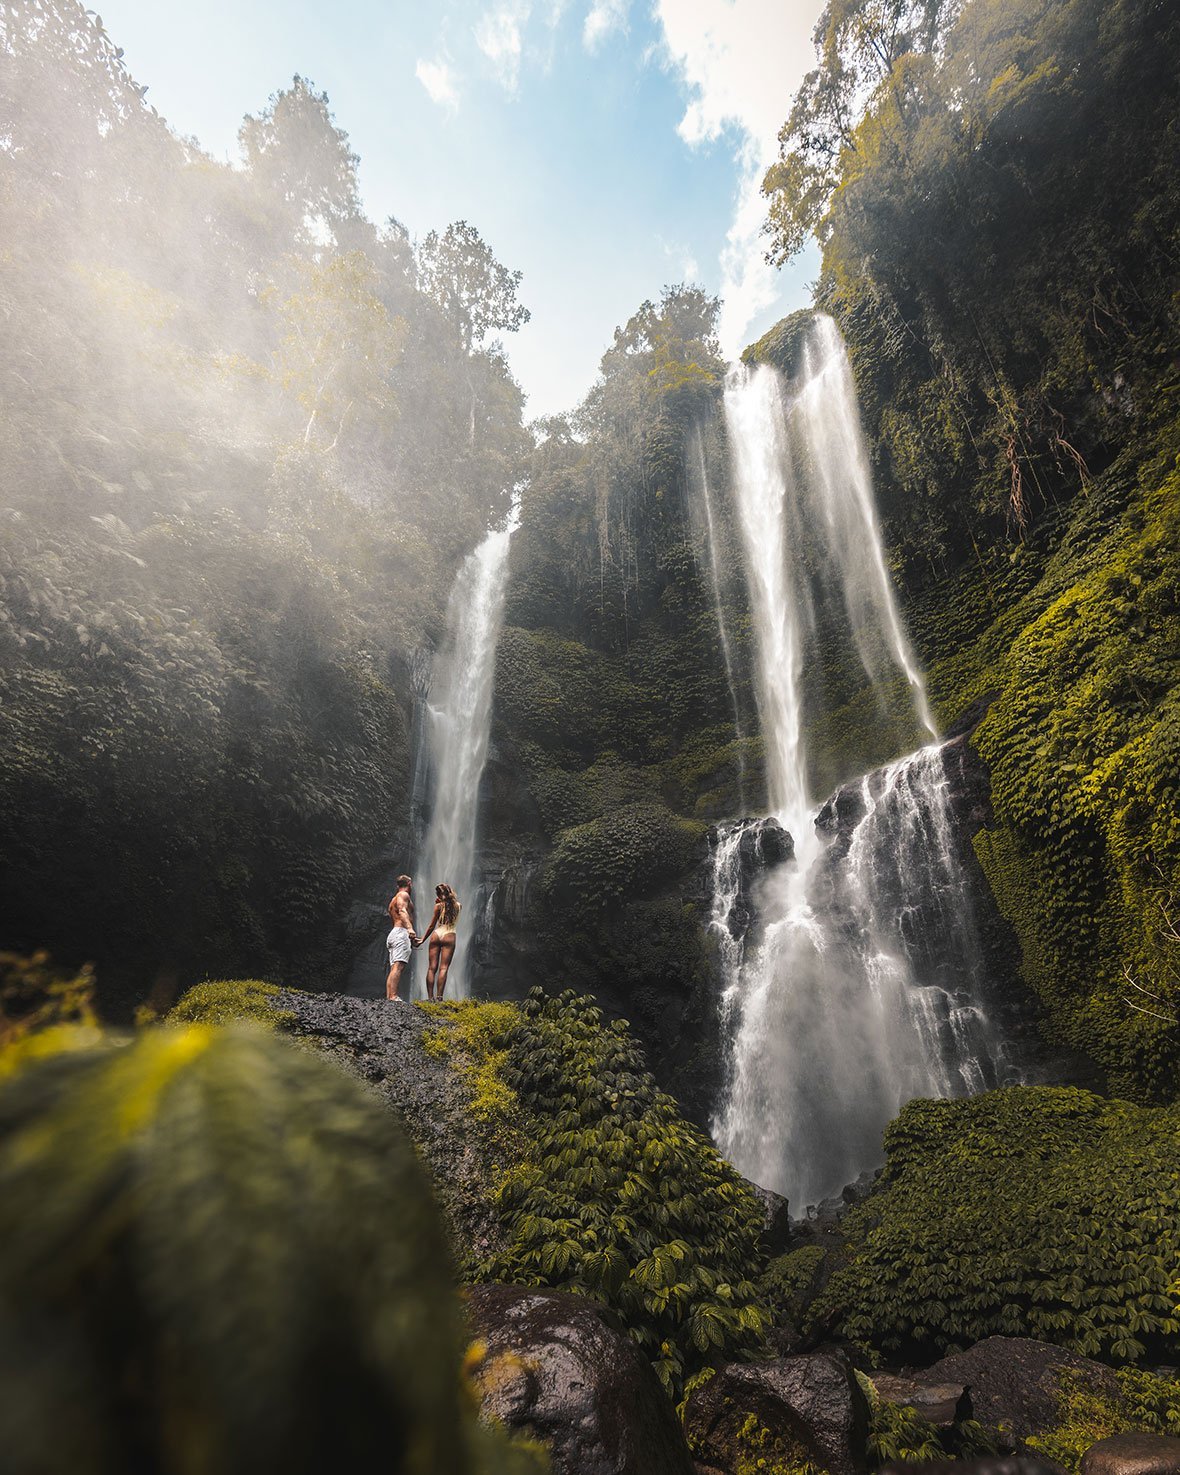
[[441, 934]]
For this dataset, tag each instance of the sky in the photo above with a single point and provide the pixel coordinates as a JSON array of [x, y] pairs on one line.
[[604, 148]]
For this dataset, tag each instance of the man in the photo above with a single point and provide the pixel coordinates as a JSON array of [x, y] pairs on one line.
[[399, 941]]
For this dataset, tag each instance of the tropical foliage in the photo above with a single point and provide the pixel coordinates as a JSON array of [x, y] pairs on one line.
[[1057, 1218], [620, 1199]]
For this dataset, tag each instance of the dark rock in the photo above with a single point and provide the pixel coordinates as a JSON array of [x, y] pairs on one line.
[[776, 1228], [382, 1043], [1133, 1454], [1015, 1383], [810, 1407], [940, 1404], [987, 1465], [559, 1369]]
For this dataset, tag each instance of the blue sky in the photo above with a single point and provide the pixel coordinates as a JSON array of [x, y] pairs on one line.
[[603, 147]]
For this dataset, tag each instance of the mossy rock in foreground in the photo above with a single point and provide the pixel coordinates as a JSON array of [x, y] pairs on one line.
[[1035, 1211], [221, 1255]]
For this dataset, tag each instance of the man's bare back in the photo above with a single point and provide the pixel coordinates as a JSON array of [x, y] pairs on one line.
[[402, 937]]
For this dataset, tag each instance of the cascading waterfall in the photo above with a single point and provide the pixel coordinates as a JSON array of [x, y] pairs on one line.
[[459, 712], [702, 472], [857, 987]]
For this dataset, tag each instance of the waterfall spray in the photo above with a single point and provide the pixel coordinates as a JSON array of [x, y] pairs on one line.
[[836, 1011], [460, 712]]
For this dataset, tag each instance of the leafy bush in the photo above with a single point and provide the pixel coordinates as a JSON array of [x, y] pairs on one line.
[[634, 849], [622, 1200], [200, 1275], [785, 1283], [1058, 1217]]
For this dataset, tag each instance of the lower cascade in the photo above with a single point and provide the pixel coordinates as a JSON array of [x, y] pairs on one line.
[[459, 709], [852, 977], [849, 986]]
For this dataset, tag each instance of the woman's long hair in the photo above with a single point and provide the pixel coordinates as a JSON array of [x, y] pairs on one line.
[[450, 906]]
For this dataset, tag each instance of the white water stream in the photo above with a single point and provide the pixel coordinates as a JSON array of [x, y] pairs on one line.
[[459, 711], [856, 986]]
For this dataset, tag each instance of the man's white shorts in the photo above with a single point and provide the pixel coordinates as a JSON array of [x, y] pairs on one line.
[[398, 943]]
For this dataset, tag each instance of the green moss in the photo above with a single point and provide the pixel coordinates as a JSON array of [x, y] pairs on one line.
[[1035, 1211], [468, 1034], [1083, 744], [1144, 1403], [224, 1001]]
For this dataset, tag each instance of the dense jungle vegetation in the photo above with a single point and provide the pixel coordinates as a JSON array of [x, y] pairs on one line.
[[244, 434]]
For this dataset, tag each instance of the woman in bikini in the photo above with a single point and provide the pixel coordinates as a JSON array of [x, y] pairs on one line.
[[441, 934]]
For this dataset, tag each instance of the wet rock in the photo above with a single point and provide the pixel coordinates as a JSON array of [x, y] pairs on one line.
[[776, 1230], [1133, 1454], [560, 1370], [1014, 1383], [791, 1410], [987, 1465], [940, 1404], [381, 1043]]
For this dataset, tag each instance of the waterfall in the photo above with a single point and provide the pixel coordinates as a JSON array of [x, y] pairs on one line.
[[459, 711], [852, 980], [702, 472]]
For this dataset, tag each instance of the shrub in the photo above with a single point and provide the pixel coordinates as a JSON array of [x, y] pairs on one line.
[[1035, 1211], [222, 1255], [621, 1199], [634, 849]]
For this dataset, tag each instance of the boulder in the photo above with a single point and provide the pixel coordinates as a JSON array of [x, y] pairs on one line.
[[940, 1404], [985, 1465], [1014, 1383], [1133, 1454], [790, 1411], [558, 1369], [776, 1229]]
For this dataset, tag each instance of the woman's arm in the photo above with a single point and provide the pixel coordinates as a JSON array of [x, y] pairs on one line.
[[433, 924]]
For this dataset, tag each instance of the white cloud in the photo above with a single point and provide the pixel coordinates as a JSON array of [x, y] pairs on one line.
[[603, 17], [436, 77], [741, 61], [499, 36]]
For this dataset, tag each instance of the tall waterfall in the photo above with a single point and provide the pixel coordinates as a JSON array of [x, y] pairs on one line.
[[459, 711], [856, 987]]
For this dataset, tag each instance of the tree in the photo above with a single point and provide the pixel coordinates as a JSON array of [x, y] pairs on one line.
[[474, 292], [861, 46], [297, 154]]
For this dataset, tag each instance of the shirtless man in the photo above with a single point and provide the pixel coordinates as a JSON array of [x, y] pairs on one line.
[[403, 936]]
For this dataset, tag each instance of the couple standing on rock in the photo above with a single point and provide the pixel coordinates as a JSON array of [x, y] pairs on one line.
[[402, 938]]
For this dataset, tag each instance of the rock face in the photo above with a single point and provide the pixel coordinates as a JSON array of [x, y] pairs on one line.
[[559, 1370], [382, 1043], [1133, 1454], [1014, 1383], [776, 1232], [793, 1409]]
